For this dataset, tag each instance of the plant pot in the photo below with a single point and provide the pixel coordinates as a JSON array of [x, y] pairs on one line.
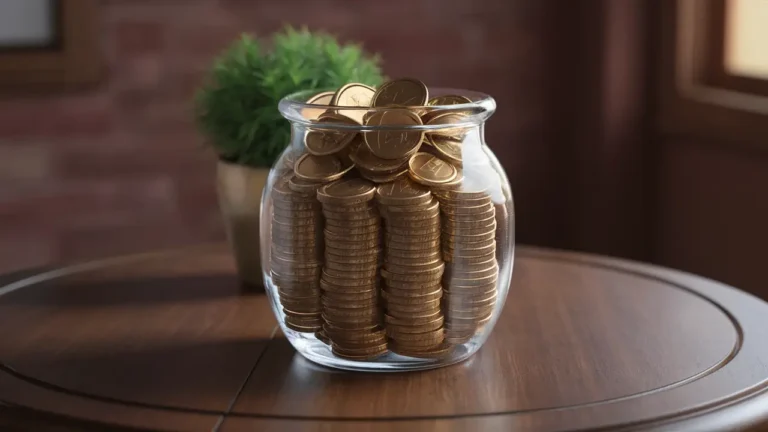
[[239, 189]]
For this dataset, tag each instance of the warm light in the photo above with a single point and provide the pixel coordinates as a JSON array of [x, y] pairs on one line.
[[746, 41]]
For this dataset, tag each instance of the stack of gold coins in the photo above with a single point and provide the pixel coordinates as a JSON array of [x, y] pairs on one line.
[[350, 277], [296, 253], [471, 271], [412, 269]]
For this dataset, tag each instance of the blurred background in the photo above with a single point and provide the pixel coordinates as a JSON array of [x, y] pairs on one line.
[[634, 128]]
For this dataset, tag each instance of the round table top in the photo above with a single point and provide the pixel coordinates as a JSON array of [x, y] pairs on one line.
[[169, 341]]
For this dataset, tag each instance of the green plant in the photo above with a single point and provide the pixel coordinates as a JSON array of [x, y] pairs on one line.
[[236, 109]]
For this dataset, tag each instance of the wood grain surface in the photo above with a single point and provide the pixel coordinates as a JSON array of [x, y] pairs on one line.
[[167, 341]]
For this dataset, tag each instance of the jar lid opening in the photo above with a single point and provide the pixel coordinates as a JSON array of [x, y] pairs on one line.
[[294, 108]]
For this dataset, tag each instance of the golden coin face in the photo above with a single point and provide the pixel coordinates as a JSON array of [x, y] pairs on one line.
[[447, 147], [403, 92], [429, 170], [317, 168], [347, 191], [403, 191], [364, 159], [449, 100], [318, 99], [353, 95], [448, 119], [394, 144], [321, 142]]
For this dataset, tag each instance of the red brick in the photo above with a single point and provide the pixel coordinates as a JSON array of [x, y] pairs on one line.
[[133, 38]]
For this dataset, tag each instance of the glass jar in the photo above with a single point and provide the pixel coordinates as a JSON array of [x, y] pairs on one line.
[[387, 233]]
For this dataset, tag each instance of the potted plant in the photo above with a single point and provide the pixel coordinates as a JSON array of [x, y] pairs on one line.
[[236, 110]]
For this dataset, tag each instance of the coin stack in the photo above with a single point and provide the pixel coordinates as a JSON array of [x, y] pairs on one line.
[[350, 277], [295, 261], [412, 269], [471, 272]]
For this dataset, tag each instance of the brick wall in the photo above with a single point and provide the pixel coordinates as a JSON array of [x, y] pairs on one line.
[[119, 167]]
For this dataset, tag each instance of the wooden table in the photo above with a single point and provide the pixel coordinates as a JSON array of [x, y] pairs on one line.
[[167, 341]]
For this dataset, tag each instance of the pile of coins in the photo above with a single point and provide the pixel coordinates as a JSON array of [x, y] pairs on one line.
[[469, 249], [412, 270], [297, 245], [379, 242], [350, 277]]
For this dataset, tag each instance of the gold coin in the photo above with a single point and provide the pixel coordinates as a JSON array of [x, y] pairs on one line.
[[454, 232], [366, 298], [414, 246], [451, 239], [462, 195], [289, 278], [343, 266], [323, 142], [278, 260], [301, 315], [297, 255], [458, 340], [393, 144], [350, 279], [480, 281], [347, 192], [448, 119], [478, 223], [353, 225], [454, 210], [353, 95], [408, 313], [426, 336], [401, 92], [459, 324], [347, 289], [433, 268], [432, 222], [425, 305], [461, 245], [476, 274], [348, 208], [301, 306], [383, 178], [460, 260], [295, 239], [462, 202], [310, 229], [449, 100], [364, 320], [290, 205], [425, 255], [362, 331], [407, 209], [466, 252], [429, 170], [407, 219], [412, 238], [319, 168], [410, 232], [391, 259], [410, 289], [336, 312], [359, 354], [334, 260], [464, 304], [298, 289], [403, 192], [471, 217], [322, 337], [365, 237], [396, 329], [438, 351], [370, 272], [415, 320], [318, 99], [396, 297], [281, 192], [352, 345], [369, 214], [413, 277], [343, 253], [373, 165], [302, 329], [295, 214]]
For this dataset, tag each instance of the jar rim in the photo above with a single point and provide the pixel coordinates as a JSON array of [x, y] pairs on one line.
[[295, 109]]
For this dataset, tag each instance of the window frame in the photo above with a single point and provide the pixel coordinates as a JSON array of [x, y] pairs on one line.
[[75, 60], [697, 96]]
